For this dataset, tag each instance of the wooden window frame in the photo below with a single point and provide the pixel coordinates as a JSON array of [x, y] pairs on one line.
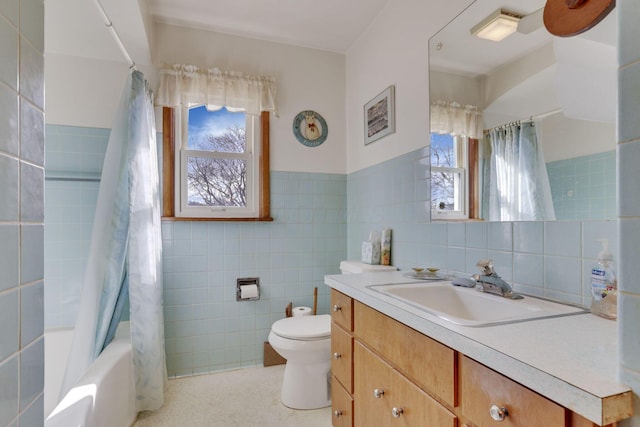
[[168, 172]]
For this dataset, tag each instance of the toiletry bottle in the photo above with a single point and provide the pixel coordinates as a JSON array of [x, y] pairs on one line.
[[385, 246], [604, 284]]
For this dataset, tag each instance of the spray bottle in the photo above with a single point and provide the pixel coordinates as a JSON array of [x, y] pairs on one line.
[[604, 284]]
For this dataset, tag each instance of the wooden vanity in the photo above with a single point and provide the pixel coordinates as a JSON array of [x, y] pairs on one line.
[[386, 373]]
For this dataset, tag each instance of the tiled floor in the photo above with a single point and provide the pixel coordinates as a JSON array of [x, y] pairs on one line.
[[243, 398]]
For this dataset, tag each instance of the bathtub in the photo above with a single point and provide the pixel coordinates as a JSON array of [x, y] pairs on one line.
[[104, 396]]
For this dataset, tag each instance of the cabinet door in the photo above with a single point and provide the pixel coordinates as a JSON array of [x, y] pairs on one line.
[[481, 388], [341, 406], [413, 407], [372, 389], [341, 356], [342, 310]]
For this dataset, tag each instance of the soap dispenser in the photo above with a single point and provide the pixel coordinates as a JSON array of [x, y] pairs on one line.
[[604, 284]]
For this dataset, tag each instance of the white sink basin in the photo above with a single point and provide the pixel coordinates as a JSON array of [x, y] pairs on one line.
[[469, 307]]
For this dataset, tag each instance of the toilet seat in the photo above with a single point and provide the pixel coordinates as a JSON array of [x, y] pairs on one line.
[[304, 328]]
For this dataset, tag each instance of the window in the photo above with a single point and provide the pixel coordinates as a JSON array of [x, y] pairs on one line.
[[449, 177], [216, 165]]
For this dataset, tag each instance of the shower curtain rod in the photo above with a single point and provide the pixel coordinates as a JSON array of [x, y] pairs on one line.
[[527, 119], [114, 33], [543, 115]]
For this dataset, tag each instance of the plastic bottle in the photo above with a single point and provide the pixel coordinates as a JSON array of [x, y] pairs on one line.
[[385, 253], [604, 284]]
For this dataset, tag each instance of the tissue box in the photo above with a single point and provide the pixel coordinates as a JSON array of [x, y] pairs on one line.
[[371, 252]]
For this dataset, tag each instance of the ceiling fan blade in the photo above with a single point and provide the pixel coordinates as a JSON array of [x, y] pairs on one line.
[[531, 22]]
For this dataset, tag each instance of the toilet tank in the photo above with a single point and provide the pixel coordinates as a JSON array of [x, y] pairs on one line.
[[350, 267]]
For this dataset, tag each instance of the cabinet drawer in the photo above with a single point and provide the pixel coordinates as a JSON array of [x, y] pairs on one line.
[[423, 360], [481, 387], [341, 406], [342, 310], [385, 397], [342, 356]]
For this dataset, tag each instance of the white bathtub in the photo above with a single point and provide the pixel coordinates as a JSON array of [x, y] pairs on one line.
[[104, 396]]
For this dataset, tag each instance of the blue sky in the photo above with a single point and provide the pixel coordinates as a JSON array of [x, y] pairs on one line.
[[206, 122], [441, 143]]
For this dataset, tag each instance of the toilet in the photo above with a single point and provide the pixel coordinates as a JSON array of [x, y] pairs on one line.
[[305, 341], [306, 344]]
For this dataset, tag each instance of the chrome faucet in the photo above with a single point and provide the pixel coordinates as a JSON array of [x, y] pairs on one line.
[[489, 281]]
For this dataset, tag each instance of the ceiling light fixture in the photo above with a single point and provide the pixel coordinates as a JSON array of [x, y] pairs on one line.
[[497, 26]]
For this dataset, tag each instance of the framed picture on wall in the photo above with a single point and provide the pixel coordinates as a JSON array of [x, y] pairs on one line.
[[379, 116]]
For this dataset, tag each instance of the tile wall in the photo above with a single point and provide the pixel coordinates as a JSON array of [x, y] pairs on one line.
[[394, 194], [21, 212], [551, 259], [628, 152], [71, 153], [584, 187], [206, 329]]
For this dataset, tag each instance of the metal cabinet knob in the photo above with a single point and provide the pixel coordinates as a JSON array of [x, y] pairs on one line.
[[396, 412], [336, 356], [378, 393], [498, 413], [336, 308], [337, 414]]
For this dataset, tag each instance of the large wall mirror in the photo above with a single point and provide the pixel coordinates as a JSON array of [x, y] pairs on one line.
[[563, 90]]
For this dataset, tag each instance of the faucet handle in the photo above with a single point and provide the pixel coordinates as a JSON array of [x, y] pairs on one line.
[[486, 266]]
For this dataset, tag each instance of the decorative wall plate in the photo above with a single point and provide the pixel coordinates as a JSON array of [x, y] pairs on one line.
[[310, 128]]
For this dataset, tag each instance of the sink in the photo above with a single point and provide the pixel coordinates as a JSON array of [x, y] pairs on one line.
[[469, 307]]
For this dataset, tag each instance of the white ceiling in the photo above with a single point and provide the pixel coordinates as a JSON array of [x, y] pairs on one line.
[[75, 27], [332, 25]]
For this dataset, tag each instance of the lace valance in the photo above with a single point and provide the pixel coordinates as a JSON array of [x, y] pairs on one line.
[[188, 85], [456, 119]]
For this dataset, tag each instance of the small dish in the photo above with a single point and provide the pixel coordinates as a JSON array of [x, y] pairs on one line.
[[423, 276], [418, 270], [432, 270]]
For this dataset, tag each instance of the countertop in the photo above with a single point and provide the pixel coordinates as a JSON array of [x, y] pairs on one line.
[[571, 360]]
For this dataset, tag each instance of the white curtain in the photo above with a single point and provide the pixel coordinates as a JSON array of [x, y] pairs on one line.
[[516, 184], [188, 86], [145, 251], [126, 251], [456, 119]]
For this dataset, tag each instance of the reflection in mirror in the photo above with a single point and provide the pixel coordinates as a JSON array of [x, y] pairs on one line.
[[555, 97]]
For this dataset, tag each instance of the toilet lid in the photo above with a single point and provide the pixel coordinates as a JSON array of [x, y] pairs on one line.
[[303, 327]]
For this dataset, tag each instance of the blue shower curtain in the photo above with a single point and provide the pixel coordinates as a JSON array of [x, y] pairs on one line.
[[516, 183], [125, 255]]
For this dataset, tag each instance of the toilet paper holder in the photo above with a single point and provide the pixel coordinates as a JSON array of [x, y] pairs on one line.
[[245, 290]]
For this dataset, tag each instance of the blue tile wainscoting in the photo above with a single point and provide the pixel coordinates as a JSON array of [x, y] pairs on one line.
[[584, 187], [550, 259], [206, 329], [69, 211], [21, 213], [628, 157]]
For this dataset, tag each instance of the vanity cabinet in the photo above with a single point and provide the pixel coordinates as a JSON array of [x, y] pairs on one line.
[[384, 397], [341, 360], [388, 374], [487, 398], [429, 364]]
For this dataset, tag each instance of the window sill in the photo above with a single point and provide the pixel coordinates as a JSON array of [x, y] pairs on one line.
[[180, 218]]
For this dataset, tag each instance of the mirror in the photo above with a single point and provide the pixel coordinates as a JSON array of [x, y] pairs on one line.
[[567, 86]]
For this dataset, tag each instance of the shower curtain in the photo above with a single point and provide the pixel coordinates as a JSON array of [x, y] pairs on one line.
[[515, 180], [125, 255]]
